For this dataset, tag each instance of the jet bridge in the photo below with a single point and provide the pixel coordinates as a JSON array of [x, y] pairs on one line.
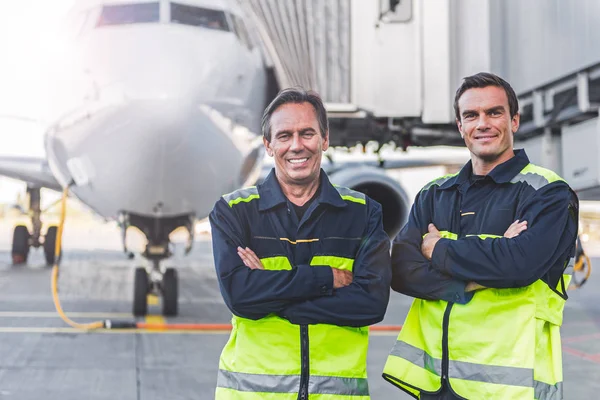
[[377, 64], [560, 128], [388, 69]]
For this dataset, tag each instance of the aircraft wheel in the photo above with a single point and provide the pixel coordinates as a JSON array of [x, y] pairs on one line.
[[50, 245], [170, 292], [141, 287], [20, 245]]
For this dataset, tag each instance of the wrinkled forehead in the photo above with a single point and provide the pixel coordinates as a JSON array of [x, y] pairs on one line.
[[294, 117]]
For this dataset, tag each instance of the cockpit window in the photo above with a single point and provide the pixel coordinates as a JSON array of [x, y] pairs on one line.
[[122, 14], [198, 16]]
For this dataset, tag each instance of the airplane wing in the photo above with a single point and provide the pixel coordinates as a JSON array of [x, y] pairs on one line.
[[28, 169]]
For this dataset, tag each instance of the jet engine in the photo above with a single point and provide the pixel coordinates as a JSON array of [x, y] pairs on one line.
[[379, 186]]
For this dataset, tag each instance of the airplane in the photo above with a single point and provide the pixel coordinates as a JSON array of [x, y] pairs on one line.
[[164, 118]]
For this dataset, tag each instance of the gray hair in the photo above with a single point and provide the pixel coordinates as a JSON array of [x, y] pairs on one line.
[[296, 95]]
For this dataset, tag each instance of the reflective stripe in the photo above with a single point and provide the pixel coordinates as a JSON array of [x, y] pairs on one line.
[[243, 195], [337, 385], [258, 382], [262, 383], [417, 356], [445, 235], [545, 391], [534, 180], [439, 181], [351, 195], [276, 263], [342, 263], [536, 177], [501, 375], [299, 240]]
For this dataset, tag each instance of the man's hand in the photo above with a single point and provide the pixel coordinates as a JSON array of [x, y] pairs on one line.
[[341, 278], [429, 241], [250, 259], [472, 286], [515, 229]]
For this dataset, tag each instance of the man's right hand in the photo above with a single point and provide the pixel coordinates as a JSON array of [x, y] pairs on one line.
[[341, 278], [515, 229]]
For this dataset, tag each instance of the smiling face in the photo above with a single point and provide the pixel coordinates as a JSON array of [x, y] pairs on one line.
[[296, 144], [487, 127]]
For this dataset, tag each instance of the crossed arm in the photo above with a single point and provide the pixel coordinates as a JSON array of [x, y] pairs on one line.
[[435, 268], [305, 294]]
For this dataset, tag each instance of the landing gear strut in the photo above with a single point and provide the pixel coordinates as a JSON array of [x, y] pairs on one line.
[[23, 240]]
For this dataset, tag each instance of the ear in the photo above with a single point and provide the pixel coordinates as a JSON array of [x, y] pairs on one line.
[[326, 141], [514, 123], [268, 147], [459, 125]]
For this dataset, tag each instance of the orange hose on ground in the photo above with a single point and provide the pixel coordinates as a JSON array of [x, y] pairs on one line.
[[183, 327]]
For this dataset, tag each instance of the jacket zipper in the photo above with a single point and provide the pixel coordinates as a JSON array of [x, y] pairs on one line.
[[445, 357], [304, 373], [446, 319]]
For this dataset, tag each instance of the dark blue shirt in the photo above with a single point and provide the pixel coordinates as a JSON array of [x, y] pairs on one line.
[[334, 225], [489, 205]]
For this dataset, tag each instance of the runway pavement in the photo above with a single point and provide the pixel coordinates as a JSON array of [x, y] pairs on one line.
[[41, 357]]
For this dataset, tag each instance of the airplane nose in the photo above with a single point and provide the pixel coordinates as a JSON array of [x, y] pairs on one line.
[[166, 158]]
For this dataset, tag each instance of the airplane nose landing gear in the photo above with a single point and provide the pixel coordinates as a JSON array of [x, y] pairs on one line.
[[163, 284]]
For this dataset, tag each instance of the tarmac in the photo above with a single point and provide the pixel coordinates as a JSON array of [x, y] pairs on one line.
[[42, 357]]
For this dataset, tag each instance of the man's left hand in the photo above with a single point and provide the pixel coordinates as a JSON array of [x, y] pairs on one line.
[[249, 258], [429, 241]]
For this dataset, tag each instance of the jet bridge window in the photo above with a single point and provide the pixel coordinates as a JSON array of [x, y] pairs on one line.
[[122, 14], [198, 16]]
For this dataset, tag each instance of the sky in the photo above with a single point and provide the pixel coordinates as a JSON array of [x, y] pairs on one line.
[[28, 34]]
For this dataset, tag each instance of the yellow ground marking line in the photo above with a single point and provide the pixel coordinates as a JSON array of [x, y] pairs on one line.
[[156, 319], [152, 300], [132, 331], [125, 331]]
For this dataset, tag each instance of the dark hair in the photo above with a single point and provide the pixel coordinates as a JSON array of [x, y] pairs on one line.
[[485, 79], [296, 95]]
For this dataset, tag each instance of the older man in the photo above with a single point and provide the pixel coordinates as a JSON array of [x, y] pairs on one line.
[[303, 265]]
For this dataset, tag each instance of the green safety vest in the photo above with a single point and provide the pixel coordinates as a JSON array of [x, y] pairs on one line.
[[262, 359], [503, 344]]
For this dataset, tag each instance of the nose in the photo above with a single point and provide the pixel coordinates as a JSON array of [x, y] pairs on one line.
[[296, 143], [483, 122]]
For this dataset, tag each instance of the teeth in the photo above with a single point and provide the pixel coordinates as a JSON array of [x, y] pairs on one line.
[[298, 160]]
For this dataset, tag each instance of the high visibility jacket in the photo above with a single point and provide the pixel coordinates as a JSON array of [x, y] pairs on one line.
[[311, 342], [504, 343]]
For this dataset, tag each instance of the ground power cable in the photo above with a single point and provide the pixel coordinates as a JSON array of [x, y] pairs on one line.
[[133, 324]]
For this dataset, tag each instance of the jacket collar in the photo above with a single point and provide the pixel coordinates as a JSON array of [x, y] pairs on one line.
[[502, 173], [271, 194]]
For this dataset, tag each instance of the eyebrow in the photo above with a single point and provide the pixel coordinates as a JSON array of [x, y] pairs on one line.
[[495, 108], [289, 132]]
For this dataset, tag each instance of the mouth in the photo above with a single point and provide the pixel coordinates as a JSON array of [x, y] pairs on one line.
[[298, 162], [485, 138]]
